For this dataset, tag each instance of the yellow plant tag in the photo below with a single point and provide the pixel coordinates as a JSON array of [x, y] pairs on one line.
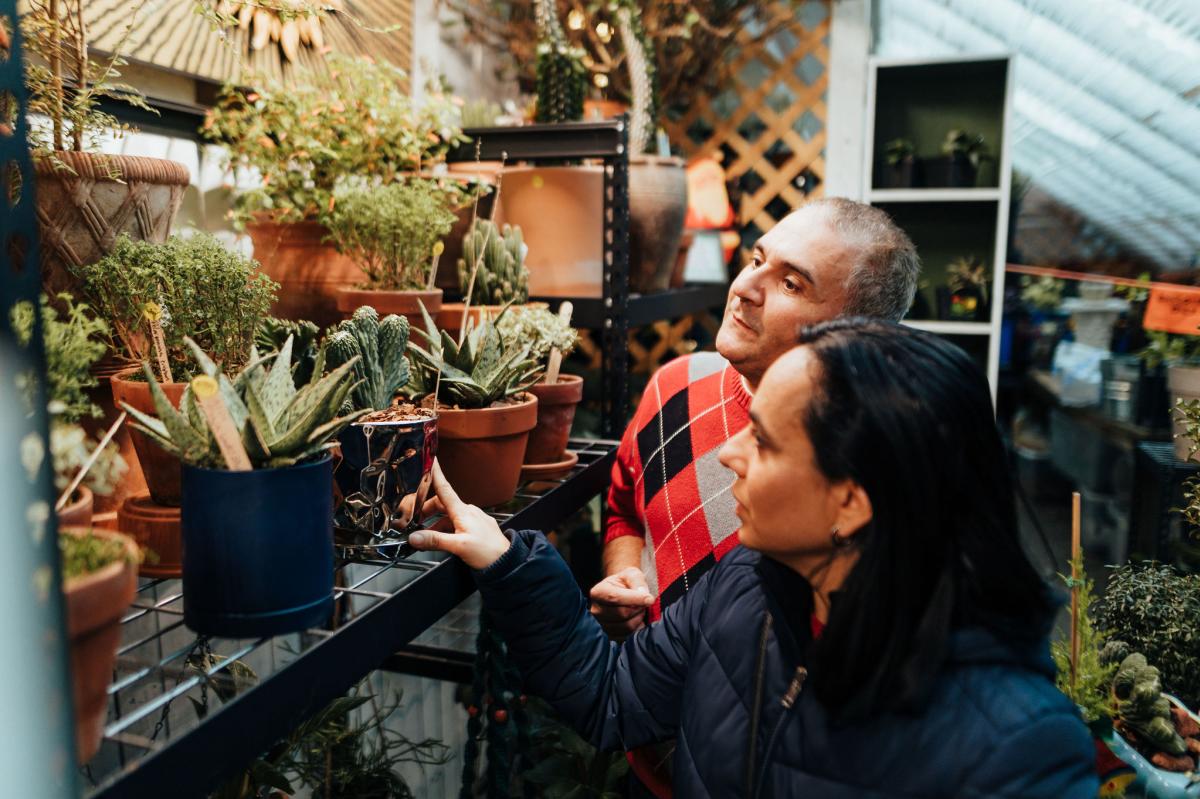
[[221, 423], [152, 311]]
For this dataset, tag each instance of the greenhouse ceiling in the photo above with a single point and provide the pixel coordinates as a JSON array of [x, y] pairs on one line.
[[1106, 103]]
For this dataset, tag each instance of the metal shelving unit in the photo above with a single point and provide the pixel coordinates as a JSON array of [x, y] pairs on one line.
[[185, 715], [616, 311]]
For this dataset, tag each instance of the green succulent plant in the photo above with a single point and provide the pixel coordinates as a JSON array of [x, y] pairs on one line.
[[377, 349], [272, 332], [561, 75], [475, 375], [279, 425], [1141, 706], [497, 259]]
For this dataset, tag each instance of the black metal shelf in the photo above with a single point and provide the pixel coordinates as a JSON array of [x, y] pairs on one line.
[[156, 742], [642, 309], [604, 139]]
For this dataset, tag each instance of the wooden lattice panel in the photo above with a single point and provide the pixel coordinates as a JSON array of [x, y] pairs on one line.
[[768, 119]]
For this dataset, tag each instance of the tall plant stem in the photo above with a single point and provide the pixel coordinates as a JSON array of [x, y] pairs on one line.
[[80, 70], [56, 74]]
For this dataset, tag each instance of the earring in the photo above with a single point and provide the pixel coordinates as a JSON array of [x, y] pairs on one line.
[[838, 541]]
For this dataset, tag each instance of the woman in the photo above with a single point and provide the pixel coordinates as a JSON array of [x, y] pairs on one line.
[[879, 632]]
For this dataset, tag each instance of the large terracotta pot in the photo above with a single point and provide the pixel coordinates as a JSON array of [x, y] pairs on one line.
[[95, 603], [78, 510], [159, 467], [83, 209], [309, 270], [404, 303], [560, 210], [657, 209], [481, 450], [555, 413]]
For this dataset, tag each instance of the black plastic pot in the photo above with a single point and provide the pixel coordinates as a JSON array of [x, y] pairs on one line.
[[384, 476], [951, 171], [257, 549]]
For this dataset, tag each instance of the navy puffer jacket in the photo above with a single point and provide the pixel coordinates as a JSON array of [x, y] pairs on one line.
[[721, 656]]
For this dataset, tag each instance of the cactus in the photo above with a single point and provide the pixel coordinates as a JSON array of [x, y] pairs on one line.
[[561, 76], [499, 264], [271, 334], [475, 375], [643, 79], [279, 425], [1142, 708], [379, 345]]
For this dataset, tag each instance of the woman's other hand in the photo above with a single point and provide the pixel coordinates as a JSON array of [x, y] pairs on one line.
[[476, 538]]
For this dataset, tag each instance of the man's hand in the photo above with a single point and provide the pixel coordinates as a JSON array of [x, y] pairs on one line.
[[476, 538], [619, 602]]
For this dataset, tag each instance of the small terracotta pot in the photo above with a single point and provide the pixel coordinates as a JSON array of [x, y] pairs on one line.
[[160, 468], [308, 269], [95, 603], [481, 450], [158, 530], [555, 413], [78, 512], [403, 303], [102, 395]]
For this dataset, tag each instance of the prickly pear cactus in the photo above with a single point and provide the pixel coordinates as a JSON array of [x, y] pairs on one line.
[[380, 345], [496, 257]]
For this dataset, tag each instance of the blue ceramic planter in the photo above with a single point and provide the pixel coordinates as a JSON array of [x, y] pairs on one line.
[[257, 549]]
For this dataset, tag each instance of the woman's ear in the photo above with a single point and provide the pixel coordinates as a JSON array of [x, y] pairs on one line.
[[854, 508]]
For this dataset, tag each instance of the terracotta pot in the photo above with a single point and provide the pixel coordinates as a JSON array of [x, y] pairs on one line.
[[481, 451], [157, 529], [560, 210], [78, 511], [95, 603], [657, 209], [102, 395], [594, 110], [309, 270], [83, 209], [403, 303], [555, 413], [159, 467]]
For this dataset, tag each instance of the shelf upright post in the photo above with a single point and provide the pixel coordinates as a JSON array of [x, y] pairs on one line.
[[614, 403], [35, 694]]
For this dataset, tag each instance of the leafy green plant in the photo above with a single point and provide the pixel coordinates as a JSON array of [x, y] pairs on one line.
[[492, 270], [539, 329], [897, 151], [70, 448], [567, 765], [273, 332], [480, 113], [476, 374], [85, 554], [1091, 688], [1170, 349], [301, 139], [204, 291], [74, 341], [965, 143], [1044, 293], [377, 351], [278, 424], [390, 231], [1156, 610], [967, 272]]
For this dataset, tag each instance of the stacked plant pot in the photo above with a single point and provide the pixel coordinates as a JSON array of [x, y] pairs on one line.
[[546, 456]]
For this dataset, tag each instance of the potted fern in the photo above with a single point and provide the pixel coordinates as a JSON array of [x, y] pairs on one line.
[[257, 474], [485, 412], [386, 465], [491, 274]]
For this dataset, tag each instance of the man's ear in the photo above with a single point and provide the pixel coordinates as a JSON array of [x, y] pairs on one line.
[[854, 510]]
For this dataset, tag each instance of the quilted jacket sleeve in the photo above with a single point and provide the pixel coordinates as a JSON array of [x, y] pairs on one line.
[[1050, 759], [616, 695]]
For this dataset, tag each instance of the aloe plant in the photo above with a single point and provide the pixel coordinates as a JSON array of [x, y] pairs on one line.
[[279, 425], [474, 375], [377, 348]]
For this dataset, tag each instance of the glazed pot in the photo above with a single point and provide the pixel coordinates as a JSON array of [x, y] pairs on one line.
[[95, 603], [657, 209], [309, 270], [404, 303], [159, 467], [84, 208], [384, 476], [78, 510], [555, 413], [481, 450], [239, 529], [1183, 383]]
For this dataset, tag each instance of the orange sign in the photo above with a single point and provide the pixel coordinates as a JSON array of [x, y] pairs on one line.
[[1173, 310]]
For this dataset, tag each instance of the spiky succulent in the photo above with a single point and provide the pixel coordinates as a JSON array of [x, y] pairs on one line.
[[279, 425], [495, 256], [475, 375], [377, 349], [272, 332]]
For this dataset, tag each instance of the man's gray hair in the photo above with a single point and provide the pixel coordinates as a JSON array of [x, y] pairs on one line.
[[883, 281]]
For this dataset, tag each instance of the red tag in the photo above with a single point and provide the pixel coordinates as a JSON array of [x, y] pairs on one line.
[[1173, 310]]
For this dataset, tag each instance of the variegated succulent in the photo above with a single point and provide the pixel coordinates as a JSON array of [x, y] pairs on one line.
[[474, 375], [279, 425]]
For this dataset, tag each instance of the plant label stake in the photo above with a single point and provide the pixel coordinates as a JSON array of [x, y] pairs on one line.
[[153, 314], [87, 465], [213, 407], [438, 249], [564, 313], [1076, 554]]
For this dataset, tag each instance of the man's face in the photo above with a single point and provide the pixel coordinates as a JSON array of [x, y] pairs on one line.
[[796, 277]]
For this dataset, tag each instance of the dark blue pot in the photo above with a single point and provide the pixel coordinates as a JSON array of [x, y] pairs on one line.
[[384, 477], [257, 549]]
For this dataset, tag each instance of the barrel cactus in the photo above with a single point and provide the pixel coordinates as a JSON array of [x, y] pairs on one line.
[[377, 349], [278, 424], [497, 258]]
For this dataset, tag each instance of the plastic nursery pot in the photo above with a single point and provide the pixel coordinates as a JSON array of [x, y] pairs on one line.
[[404, 303], [95, 603], [555, 413], [159, 467], [257, 549], [481, 450], [385, 474]]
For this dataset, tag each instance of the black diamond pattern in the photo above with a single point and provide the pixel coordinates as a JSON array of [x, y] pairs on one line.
[[674, 457], [678, 588]]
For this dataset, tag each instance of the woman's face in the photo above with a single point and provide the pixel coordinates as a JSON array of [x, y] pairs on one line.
[[787, 507]]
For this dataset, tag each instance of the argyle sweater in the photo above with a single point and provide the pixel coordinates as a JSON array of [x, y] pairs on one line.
[[667, 485]]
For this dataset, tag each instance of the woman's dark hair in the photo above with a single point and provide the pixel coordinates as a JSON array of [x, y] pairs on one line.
[[908, 417]]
